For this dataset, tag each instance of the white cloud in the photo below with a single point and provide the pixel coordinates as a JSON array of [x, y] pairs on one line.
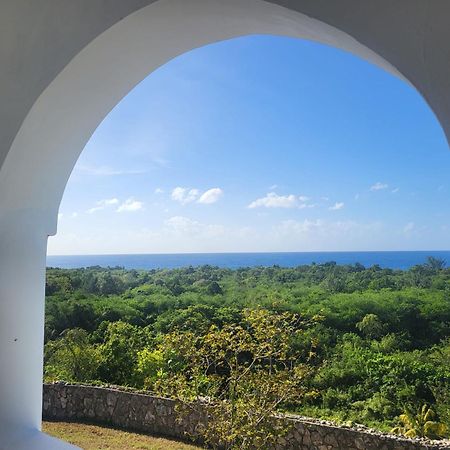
[[159, 191], [299, 227], [180, 234], [130, 205], [412, 230], [379, 186], [273, 200], [95, 209], [183, 226], [111, 201], [187, 195], [211, 196], [337, 206], [102, 204], [394, 191], [409, 228], [74, 215], [60, 216], [184, 195], [315, 234]]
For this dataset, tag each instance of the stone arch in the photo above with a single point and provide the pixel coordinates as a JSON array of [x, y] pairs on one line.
[[92, 77], [68, 111]]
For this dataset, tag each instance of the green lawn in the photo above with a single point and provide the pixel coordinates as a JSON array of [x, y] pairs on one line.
[[92, 437]]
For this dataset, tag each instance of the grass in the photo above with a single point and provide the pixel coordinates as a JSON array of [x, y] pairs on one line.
[[93, 437]]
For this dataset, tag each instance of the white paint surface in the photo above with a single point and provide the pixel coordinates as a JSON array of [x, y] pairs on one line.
[[65, 64]]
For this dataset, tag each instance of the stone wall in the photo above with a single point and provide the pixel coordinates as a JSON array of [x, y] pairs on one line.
[[156, 415]]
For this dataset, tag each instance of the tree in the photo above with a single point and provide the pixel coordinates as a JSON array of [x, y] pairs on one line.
[[241, 374], [150, 367], [214, 288], [72, 357], [108, 284], [371, 326], [119, 352], [435, 264]]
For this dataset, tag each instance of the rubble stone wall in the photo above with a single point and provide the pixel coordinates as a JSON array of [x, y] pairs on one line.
[[156, 415]]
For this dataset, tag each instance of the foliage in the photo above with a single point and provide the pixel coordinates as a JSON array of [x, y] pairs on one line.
[[119, 352], [365, 341], [420, 424], [441, 393], [72, 357], [243, 373], [371, 326]]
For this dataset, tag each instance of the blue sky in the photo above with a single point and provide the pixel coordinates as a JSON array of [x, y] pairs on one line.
[[261, 143]]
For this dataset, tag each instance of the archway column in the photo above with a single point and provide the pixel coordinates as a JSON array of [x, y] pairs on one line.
[[64, 66], [23, 243]]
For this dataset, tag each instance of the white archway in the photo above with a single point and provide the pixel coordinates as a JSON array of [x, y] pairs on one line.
[[55, 128]]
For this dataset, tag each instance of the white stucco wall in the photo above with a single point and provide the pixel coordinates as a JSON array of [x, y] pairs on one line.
[[65, 64]]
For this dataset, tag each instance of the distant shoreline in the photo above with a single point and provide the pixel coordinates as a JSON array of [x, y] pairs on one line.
[[386, 259]]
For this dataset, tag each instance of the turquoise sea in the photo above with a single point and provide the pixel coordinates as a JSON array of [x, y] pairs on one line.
[[392, 259]]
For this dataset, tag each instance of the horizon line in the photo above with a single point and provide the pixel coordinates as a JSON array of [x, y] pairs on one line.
[[246, 253]]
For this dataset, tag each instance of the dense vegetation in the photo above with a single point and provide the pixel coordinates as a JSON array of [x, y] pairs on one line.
[[349, 343]]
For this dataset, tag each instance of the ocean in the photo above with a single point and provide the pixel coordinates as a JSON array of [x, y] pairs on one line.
[[387, 259]]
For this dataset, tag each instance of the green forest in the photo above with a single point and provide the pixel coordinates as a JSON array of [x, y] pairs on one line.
[[340, 342]]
